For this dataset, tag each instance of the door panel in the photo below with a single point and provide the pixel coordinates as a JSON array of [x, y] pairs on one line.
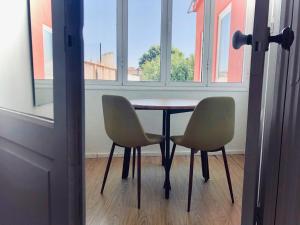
[[21, 198], [288, 199], [38, 132], [275, 103]]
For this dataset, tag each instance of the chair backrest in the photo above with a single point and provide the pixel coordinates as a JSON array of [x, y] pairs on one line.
[[212, 124], [121, 122]]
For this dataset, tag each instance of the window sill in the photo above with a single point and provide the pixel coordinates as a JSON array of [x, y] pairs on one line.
[[224, 88]]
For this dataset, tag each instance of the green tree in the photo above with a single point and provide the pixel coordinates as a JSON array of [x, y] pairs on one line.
[[150, 55], [182, 68]]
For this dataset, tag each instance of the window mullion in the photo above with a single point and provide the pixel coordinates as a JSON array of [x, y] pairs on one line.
[[124, 40], [208, 42], [164, 42], [169, 40], [120, 41]]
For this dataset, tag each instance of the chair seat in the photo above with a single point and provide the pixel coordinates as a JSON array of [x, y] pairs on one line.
[[177, 139], [211, 146], [154, 138]]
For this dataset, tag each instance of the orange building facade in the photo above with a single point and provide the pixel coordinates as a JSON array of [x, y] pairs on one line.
[[237, 22], [41, 19]]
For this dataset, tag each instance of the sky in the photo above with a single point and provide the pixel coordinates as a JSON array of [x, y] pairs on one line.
[[144, 18]]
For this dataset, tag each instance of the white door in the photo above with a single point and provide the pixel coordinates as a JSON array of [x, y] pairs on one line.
[[40, 156]]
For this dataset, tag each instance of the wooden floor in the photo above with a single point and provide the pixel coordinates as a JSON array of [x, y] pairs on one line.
[[211, 203]]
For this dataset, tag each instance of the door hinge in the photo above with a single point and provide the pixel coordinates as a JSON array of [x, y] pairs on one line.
[[258, 215]]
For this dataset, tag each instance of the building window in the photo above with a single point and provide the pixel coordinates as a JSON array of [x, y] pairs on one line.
[[227, 64], [223, 44], [48, 52]]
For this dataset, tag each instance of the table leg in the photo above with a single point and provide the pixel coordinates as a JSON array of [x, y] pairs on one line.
[[163, 147], [126, 163], [205, 165], [167, 159]]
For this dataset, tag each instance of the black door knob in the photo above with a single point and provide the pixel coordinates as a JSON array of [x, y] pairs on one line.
[[285, 39], [239, 39]]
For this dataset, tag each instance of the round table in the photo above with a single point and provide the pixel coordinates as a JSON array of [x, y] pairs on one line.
[[169, 107]]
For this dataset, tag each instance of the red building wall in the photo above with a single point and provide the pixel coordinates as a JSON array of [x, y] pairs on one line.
[[40, 14], [199, 8], [238, 16]]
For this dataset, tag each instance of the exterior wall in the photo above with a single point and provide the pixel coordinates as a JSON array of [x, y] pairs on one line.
[[238, 16], [41, 14], [96, 71], [199, 8], [104, 70]]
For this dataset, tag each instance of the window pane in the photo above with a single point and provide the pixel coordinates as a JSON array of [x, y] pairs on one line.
[[227, 63], [187, 39], [48, 52], [224, 45], [144, 19], [41, 27], [100, 39]]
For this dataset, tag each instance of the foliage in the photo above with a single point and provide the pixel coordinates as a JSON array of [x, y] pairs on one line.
[[182, 68], [150, 55]]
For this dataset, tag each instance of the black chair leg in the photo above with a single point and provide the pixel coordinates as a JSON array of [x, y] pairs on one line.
[[163, 155], [108, 166], [205, 165], [191, 179], [133, 162], [227, 174], [172, 155], [126, 163], [139, 177]]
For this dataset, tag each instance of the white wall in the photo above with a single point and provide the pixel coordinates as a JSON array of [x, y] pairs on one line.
[[15, 66], [97, 142]]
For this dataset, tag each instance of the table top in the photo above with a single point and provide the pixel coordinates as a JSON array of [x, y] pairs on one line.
[[164, 104]]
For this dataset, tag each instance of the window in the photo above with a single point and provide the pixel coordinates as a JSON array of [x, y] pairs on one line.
[[164, 43], [144, 25], [223, 45], [48, 52], [227, 63], [100, 40], [186, 20]]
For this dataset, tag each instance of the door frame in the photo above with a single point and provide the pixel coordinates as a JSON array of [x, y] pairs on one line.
[[254, 125], [271, 149], [76, 108], [20, 131]]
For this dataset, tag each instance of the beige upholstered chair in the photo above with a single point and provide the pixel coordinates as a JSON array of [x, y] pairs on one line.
[[124, 129], [210, 128]]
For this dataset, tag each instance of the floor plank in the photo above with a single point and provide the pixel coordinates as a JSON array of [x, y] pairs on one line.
[[211, 203]]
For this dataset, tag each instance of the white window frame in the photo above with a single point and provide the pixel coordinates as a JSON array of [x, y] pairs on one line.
[[165, 82], [223, 13], [124, 75], [244, 84], [194, 84]]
